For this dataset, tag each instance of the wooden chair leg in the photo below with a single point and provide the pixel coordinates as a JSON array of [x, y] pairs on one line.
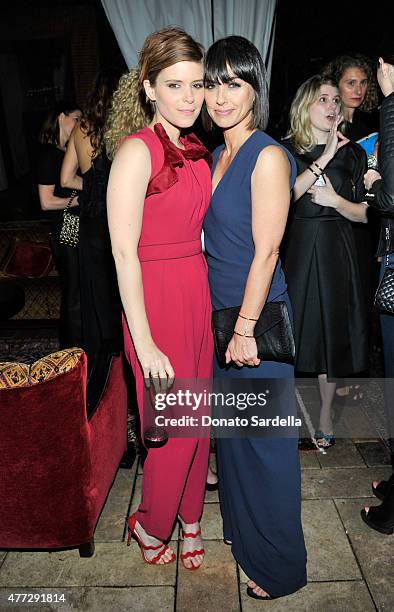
[[87, 549]]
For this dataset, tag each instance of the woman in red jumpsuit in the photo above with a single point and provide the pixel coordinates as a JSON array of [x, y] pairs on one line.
[[158, 193]]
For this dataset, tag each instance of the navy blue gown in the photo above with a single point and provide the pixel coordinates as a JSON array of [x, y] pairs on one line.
[[259, 478]]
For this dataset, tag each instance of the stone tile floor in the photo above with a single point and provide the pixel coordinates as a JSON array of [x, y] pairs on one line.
[[350, 567]]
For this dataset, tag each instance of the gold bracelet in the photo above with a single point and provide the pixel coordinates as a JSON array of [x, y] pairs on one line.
[[247, 318], [242, 335]]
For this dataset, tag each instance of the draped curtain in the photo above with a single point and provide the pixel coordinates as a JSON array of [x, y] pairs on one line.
[[253, 19], [133, 20], [205, 20]]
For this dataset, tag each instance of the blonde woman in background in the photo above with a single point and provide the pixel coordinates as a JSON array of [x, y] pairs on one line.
[[320, 262]]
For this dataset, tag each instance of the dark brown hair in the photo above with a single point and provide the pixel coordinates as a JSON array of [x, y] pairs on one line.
[[340, 64], [97, 106], [239, 55], [50, 133]]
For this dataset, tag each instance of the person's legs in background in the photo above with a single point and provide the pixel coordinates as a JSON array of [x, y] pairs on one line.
[[67, 265]]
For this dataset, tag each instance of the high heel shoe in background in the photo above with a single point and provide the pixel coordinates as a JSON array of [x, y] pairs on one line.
[[383, 487], [212, 486], [381, 518], [324, 440]]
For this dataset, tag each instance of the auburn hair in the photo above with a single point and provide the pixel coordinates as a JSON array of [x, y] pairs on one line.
[[131, 108]]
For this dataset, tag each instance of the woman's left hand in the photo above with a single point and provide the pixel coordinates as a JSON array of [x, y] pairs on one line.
[[385, 76], [242, 351], [324, 195]]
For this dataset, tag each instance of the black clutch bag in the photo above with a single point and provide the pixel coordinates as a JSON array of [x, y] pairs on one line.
[[273, 332]]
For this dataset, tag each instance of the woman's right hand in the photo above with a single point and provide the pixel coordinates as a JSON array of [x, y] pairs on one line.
[[370, 177], [336, 140], [155, 365], [242, 350]]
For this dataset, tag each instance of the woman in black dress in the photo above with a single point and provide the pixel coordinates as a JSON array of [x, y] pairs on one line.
[[100, 301], [358, 90], [53, 138], [320, 261]]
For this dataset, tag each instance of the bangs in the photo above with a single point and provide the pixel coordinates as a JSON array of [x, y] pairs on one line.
[[223, 59], [236, 57]]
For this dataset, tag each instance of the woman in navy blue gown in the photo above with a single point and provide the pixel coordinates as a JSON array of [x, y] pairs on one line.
[[252, 176]]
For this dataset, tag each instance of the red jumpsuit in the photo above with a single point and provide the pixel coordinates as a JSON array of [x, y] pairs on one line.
[[178, 307]]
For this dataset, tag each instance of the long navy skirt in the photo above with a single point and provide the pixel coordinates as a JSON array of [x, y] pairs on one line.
[[260, 494]]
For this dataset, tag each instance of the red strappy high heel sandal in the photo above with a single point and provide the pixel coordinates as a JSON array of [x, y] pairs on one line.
[[193, 553], [132, 532]]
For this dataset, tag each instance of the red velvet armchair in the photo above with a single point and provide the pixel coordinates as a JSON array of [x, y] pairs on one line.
[[58, 459]]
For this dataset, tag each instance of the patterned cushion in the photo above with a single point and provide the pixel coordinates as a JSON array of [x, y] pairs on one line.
[[13, 375], [22, 375], [54, 364]]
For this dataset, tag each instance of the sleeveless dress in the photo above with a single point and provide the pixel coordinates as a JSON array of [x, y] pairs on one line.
[[259, 478], [100, 302], [177, 303], [323, 272]]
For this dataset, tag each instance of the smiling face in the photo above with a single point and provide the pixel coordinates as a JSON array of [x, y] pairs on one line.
[[229, 104], [353, 86], [178, 94], [324, 110]]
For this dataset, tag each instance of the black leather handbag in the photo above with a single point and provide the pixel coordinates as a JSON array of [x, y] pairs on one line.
[[384, 297], [273, 332]]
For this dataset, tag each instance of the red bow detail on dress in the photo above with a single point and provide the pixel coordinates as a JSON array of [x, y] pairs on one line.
[[174, 157]]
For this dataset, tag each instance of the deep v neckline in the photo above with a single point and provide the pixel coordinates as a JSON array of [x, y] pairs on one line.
[[231, 163]]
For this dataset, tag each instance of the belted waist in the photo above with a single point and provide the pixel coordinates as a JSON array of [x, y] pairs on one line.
[[175, 250]]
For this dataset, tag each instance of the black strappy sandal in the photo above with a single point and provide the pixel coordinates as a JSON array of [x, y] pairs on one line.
[[383, 488], [381, 518], [251, 593]]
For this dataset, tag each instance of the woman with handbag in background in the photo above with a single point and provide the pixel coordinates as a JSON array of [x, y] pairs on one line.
[[54, 198], [259, 478], [380, 196], [320, 256]]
